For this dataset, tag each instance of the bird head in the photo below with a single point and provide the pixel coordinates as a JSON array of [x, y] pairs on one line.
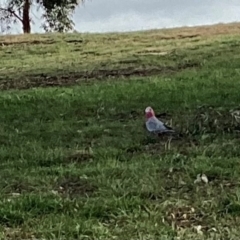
[[149, 112]]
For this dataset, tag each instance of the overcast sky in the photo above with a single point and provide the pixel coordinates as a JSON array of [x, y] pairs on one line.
[[128, 15]]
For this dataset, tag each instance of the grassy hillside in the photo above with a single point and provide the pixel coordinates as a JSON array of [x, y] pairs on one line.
[[76, 161]]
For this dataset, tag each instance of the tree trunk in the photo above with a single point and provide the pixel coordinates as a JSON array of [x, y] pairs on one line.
[[26, 18]]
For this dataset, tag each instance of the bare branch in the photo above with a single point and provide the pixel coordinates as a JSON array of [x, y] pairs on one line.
[[11, 12]]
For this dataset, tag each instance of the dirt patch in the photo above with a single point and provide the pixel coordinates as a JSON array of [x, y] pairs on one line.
[[34, 42], [75, 186], [180, 36], [74, 41], [188, 36], [43, 80]]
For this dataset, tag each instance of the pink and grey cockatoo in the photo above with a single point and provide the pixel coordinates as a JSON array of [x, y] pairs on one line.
[[154, 125]]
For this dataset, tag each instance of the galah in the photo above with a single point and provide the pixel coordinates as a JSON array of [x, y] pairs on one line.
[[154, 125]]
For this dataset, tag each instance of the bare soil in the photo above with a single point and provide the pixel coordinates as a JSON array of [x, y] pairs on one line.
[[43, 80]]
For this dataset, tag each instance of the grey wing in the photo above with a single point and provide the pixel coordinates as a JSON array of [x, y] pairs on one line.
[[151, 126], [161, 127], [157, 126]]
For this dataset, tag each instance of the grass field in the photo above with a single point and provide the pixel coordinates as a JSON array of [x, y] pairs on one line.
[[76, 162]]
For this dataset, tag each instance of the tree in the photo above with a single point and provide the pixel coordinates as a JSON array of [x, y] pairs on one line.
[[56, 14]]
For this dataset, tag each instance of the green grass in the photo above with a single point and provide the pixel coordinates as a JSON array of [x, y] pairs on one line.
[[76, 162]]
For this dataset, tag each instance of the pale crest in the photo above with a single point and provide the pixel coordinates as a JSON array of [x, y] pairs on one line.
[[148, 109]]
